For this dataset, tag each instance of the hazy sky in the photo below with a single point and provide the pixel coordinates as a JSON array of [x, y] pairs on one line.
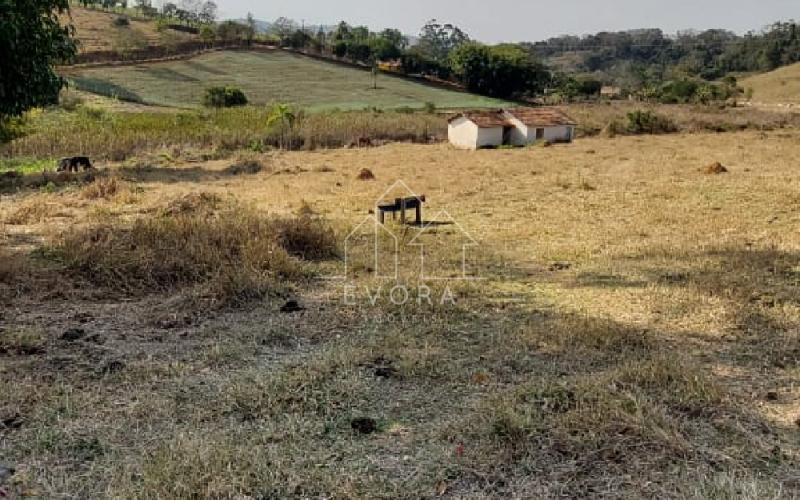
[[526, 20]]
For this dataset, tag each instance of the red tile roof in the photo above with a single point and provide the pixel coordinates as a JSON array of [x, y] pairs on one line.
[[541, 117], [485, 119]]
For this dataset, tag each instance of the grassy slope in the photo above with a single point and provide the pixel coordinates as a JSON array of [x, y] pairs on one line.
[[267, 77], [776, 87], [96, 31]]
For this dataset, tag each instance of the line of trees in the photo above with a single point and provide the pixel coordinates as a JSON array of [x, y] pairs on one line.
[[640, 58], [443, 51], [188, 12]]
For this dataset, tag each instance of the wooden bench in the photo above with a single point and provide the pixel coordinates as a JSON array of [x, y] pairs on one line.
[[402, 205]]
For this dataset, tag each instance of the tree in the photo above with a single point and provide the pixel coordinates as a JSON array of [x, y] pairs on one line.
[[388, 44], [208, 12], [169, 9], [282, 117], [208, 35], [231, 31], [436, 41], [503, 70], [27, 77], [250, 32], [284, 28]]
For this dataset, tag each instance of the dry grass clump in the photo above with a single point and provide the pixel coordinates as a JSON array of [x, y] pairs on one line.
[[31, 211], [101, 189], [233, 253], [22, 342], [193, 203], [306, 237]]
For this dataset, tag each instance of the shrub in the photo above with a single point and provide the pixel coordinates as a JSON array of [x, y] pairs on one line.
[[231, 255], [306, 237], [103, 188], [647, 122], [224, 97], [121, 21]]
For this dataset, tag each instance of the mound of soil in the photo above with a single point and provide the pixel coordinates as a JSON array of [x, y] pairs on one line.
[[715, 168], [366, 175]]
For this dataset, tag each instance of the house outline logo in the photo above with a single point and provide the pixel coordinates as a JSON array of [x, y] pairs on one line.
[[470, 242], [391, 243], [376, 264], [378, 229]]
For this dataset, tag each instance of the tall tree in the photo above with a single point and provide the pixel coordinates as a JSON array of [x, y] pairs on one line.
[[436, 40], [208, 12], [32, 41]]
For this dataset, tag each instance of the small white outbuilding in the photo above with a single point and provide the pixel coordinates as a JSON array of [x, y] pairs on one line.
[[513, 126]]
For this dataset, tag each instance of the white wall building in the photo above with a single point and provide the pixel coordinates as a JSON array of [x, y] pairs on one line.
[[514, 126]]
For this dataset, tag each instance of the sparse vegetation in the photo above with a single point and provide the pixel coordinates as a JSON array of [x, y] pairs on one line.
[[603, 366], [236, 251], [647, 122]]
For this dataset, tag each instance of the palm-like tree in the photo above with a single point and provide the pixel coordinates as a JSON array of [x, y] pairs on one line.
[[282, 117]]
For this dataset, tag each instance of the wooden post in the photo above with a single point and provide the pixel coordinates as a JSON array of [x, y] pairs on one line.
[[403, 211]]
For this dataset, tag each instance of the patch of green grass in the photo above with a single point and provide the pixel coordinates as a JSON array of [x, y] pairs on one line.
[[269, 77], [25, 165]]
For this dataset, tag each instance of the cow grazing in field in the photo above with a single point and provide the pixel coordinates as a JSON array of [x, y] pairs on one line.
[[74, 164]]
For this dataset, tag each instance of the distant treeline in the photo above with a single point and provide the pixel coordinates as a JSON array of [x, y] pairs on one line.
[[636, 56]]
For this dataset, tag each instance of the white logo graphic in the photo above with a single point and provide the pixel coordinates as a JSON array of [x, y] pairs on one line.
[[373, 249]]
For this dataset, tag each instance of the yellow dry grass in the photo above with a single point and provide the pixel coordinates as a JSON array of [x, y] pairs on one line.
[[636, 322], [781, 86]]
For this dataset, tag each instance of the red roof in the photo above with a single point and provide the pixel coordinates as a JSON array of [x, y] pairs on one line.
[[541, 117], [538, 117], [485, 119]]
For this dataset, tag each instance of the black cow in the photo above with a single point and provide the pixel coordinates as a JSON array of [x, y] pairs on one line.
[[74, 164]]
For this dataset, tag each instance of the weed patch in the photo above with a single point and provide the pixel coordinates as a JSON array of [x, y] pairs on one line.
[[234, 254]]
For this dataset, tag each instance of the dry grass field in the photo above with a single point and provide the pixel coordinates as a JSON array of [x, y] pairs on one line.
[[633, 333], [781, 86]]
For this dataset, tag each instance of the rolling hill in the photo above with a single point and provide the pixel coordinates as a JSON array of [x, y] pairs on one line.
[[781, 86], [97, 32], [265, 77]]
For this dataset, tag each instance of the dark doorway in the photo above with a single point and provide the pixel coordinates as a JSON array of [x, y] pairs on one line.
[[507, 131], [539, 134]]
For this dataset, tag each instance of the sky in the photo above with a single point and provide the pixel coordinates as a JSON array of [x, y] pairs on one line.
[[494, 21]]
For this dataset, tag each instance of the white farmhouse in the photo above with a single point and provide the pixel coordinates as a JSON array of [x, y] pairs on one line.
[[513, 126]]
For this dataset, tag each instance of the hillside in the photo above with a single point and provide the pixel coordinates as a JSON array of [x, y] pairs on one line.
[[267, 77], [781, 86], [96, 32]]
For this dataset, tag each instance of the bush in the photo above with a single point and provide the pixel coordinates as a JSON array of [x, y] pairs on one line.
[[121, 21], [647, 122], [224, 97], [231, 253]]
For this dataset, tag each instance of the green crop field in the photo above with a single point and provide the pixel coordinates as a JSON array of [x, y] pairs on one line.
[[267, 77]]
